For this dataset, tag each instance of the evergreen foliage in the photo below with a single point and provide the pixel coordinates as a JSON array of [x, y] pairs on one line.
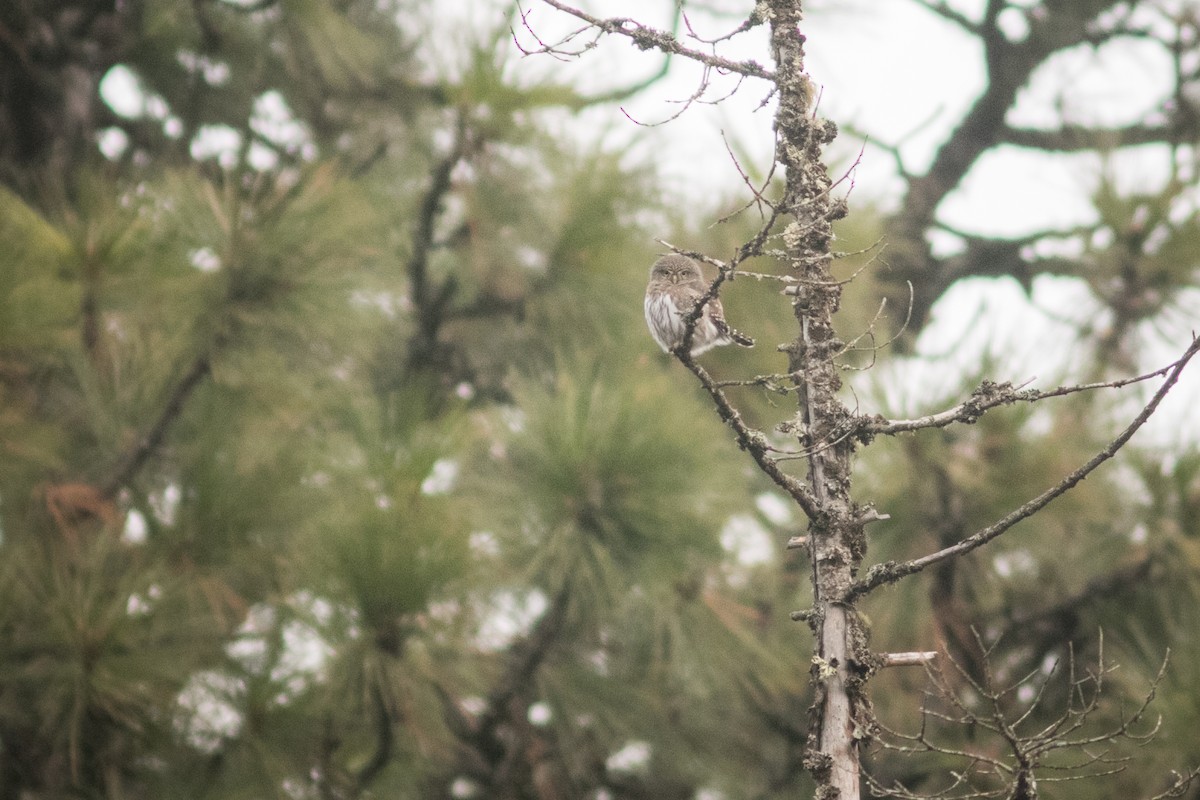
[[335, 461]]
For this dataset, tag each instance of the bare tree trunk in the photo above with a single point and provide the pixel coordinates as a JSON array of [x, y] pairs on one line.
[[836, 540]]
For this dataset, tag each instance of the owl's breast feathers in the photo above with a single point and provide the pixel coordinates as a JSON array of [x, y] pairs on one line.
[[666, 322]]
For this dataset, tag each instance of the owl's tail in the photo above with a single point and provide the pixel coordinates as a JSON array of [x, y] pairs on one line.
[[740, 338]]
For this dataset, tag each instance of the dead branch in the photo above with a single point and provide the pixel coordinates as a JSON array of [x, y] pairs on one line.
[[644, 38], [890, 572], [756, 193], [1010, 760], [991, 395], [908, 659], [748, 439], [753, 21]]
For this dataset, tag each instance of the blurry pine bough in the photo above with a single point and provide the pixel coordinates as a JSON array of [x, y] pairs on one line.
[[335, 460]]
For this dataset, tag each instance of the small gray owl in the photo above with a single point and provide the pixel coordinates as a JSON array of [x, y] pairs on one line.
[[675, 286]]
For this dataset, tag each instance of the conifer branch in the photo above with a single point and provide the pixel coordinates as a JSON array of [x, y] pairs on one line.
[[489, 744], [527, 656], [145, 447], [1104, 586], [890, 572], [430, 301]]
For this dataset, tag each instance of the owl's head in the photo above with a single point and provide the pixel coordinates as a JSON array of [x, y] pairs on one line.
[[674, 268]]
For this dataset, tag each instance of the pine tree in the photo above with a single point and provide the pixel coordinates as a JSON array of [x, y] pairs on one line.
[[335, 460]]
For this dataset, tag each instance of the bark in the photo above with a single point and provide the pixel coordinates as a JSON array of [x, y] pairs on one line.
[[836, 541]]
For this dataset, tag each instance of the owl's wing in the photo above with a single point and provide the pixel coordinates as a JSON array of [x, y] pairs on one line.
[[716, 312]]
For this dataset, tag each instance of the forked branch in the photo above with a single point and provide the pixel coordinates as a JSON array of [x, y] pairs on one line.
[[890, 572]]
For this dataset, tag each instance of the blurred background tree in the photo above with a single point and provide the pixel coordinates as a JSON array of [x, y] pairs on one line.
[[335, 461]]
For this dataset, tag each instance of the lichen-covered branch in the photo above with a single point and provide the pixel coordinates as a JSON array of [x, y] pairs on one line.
[[991, 395], [645, 37], [750, 440], [890, 572]]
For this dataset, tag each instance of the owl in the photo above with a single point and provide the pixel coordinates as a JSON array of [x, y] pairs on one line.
[[675, 286]]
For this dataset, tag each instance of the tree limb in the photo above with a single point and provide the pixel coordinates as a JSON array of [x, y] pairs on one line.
[[136, 457], [989, 395], [890, 572], [1078, 138], [384, 741], [749, 439], [1009, 66], [647, 38], [1103, 586], [947, 13], [525, 658]]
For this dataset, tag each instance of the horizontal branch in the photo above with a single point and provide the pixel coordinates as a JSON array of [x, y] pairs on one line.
[[890, 572], [1076, 138], [908, 659], [990, 395], [647, 38], [1103, 587], [769, 382]]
